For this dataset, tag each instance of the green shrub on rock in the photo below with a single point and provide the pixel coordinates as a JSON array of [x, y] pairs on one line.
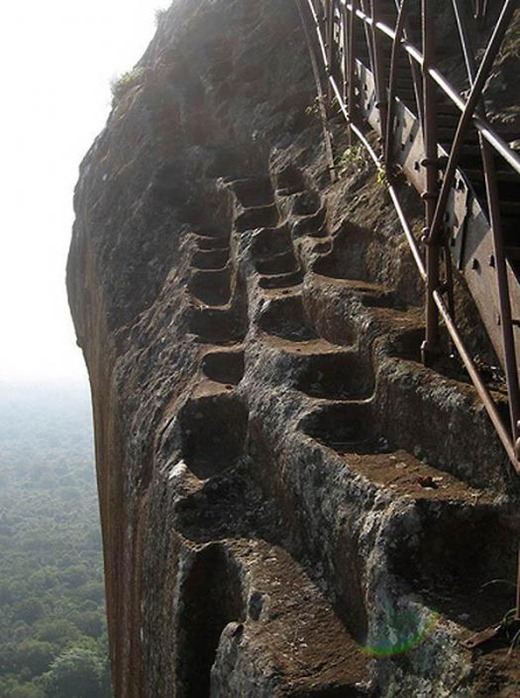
[[125, 82]]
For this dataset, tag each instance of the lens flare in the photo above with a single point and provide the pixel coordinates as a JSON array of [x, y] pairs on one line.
[[400, 630]]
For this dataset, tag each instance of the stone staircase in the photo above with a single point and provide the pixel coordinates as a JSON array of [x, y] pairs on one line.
[[292, 504], [313, 438]]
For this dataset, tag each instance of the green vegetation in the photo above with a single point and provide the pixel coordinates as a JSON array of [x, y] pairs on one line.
[[52, 618], [382, 177], [314, 109], [160, 14], [125, 82], [353, 156]]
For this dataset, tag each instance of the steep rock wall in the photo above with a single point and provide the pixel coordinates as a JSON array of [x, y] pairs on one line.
[[291, 504]]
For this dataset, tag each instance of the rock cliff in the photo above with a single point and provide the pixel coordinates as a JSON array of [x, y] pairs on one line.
[[292, 505]]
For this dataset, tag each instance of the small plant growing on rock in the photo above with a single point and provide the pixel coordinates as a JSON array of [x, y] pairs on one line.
[[382, 177], [314, 109], [351, 156], [126, 81], [159, 15]]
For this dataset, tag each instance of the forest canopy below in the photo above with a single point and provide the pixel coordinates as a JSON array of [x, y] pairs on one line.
[[52, 601]]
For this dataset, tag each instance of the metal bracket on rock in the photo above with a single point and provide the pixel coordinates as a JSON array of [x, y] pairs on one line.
[[505, 630], [482, 637]]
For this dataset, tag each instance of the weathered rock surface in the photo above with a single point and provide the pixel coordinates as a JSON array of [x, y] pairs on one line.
[[291, 504]]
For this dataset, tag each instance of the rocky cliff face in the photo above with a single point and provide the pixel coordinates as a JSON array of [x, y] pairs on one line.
[[291, 504]]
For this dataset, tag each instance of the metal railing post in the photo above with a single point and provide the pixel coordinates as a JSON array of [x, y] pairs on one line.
[[319, 89], [351, 63], [344, 34], [399, 30], [368, 36], [430, 193], [495, 221], [467, 115], [381, 93], [330, 48]]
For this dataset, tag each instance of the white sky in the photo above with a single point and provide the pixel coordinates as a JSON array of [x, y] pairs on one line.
[[57, 59]]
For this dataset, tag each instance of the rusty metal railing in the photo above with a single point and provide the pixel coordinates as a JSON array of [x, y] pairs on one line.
[[382, 68]]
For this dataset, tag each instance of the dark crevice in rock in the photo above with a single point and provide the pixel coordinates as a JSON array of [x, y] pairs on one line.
[[407, 346], [253, 192], [224, 366], [213, 432], [212, 597], [217, 326], [463, 561], [285, 318], [269, 241], [346, 428], [306, 204], [211, 286], [221, 325], [336, 376], [212, 244], [313, 225], [347, 260], [380, 299], [290, 180], [337, 692], [256, 217], [211, 259], [281, 280], [281, 263]]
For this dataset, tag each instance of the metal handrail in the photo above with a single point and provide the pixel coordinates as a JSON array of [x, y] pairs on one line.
[[481, 124], [435, 206], [469, 110], [496, 228], [399, 32]]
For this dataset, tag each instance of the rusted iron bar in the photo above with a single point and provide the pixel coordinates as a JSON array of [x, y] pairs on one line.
[[512, 449], [467, 360], [506, 325], [399, 30], [415, 70], [467, 115], [368, 37], [351, 62], [319, 32], [498, 143], [320, 95], [329, 41], [417, 87], [344, 35], [480, 8], [484, 394], [493, 138], [431, 166], [448, 284], [391, 190], [381, 93], [462, 25], [321, 15]]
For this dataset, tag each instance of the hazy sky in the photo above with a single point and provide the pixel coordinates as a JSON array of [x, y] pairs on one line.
[[57, 59]]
